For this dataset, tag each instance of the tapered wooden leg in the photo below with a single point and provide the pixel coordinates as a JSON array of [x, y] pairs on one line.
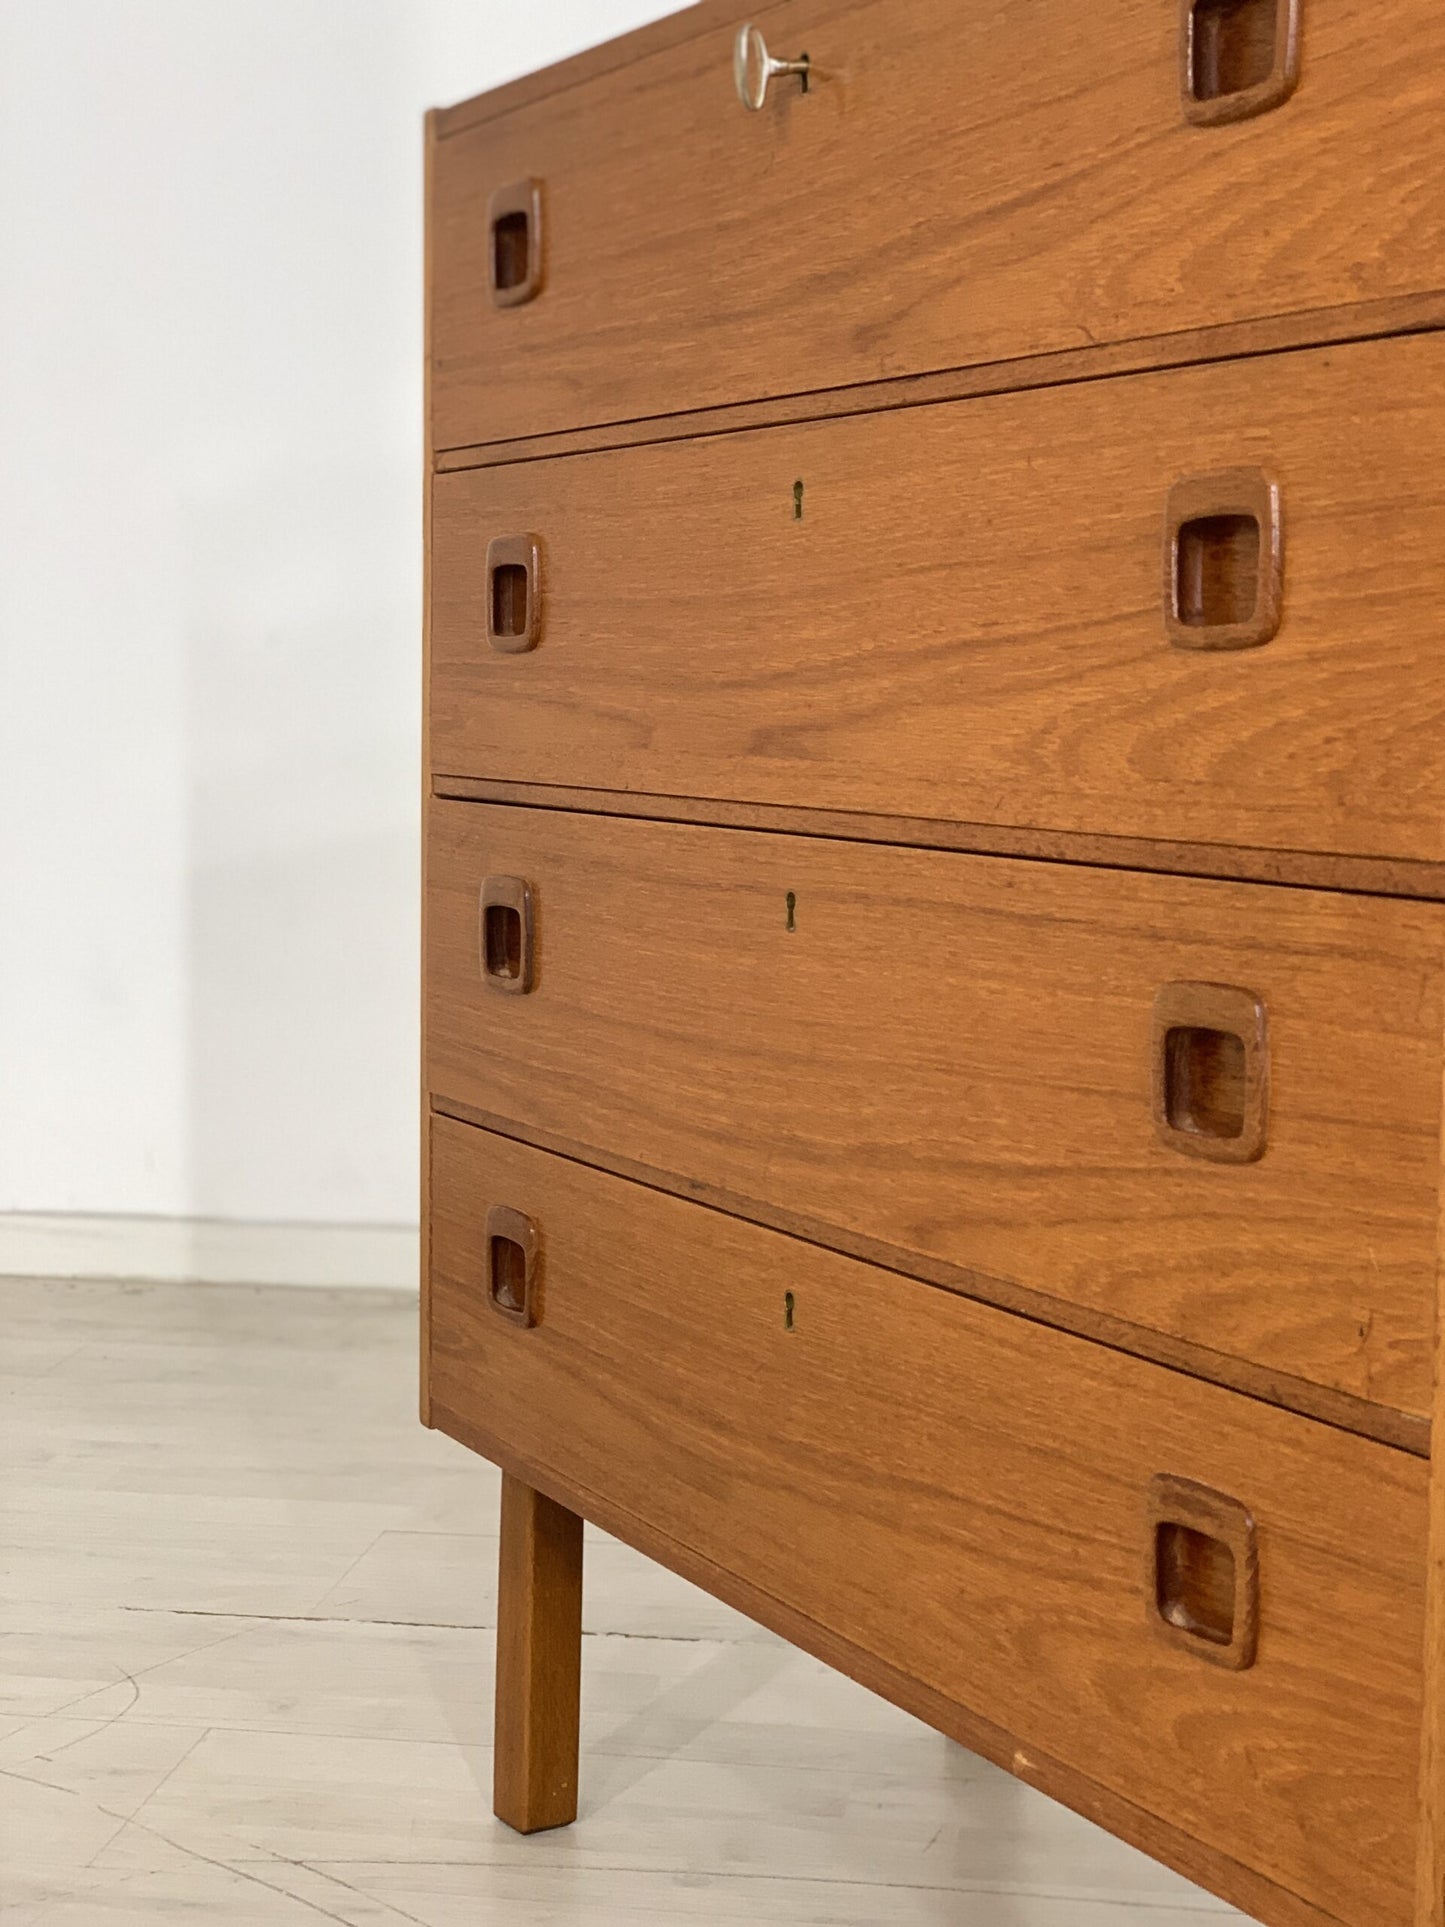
[[539, 1661]]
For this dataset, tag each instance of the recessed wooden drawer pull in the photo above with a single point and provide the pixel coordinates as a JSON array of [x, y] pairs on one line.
[[513, 1265], [514, 243], [1224, 561], [514, 593], [1239, 57], [507, 935], [1211, 1071], [1202, 1572], [755, 69]]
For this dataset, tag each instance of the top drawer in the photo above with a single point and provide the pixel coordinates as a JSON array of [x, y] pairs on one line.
[[957, 185]]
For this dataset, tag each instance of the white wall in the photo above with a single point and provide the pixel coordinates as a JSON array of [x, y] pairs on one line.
[[210, 354]]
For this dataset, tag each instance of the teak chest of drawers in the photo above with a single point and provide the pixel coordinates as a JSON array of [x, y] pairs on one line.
[[934, 942]]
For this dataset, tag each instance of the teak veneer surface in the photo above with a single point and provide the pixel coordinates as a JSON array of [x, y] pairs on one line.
[[950, 1057], [1274, 334], [964, 1494], [958, 185], [1310, 870], [1430, 1872], [840, 438], [1211, 1867], [962, 614]]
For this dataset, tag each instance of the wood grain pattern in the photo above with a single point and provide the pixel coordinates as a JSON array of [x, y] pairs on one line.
[[952, 1055], [539, 1661], [1271, 334], [953, 633], [969, 1508], [1407, 1431], [1208, 1866], [793, 583], [1430, 1870], [1309, 870], [974, 185]]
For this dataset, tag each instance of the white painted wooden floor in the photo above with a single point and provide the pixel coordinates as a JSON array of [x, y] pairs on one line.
[[246, 1670]]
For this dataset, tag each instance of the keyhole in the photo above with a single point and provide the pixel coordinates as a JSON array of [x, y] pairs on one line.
[[797, 501], [792, 909], [789, 1306]]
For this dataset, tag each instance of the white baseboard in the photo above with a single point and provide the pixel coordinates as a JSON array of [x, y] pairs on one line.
[[208, 1251]]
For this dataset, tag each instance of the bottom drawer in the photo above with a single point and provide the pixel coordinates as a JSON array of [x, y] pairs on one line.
[[1210, 1607]]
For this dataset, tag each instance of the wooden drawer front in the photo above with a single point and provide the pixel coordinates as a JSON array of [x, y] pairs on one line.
[[958, 185], [954, 1057], [965, 1495], [937, 629]]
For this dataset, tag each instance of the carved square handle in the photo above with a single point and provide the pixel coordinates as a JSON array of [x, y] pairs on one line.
[[514, 237], [1202, 1572], [514, 1248], [1238, 58], [1224, 561], [514, 593], [1210, 1071], [507, 935]]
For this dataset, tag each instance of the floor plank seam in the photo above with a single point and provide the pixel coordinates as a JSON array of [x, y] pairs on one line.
[[733, 1874], [331, 1762], [419, 1625]]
